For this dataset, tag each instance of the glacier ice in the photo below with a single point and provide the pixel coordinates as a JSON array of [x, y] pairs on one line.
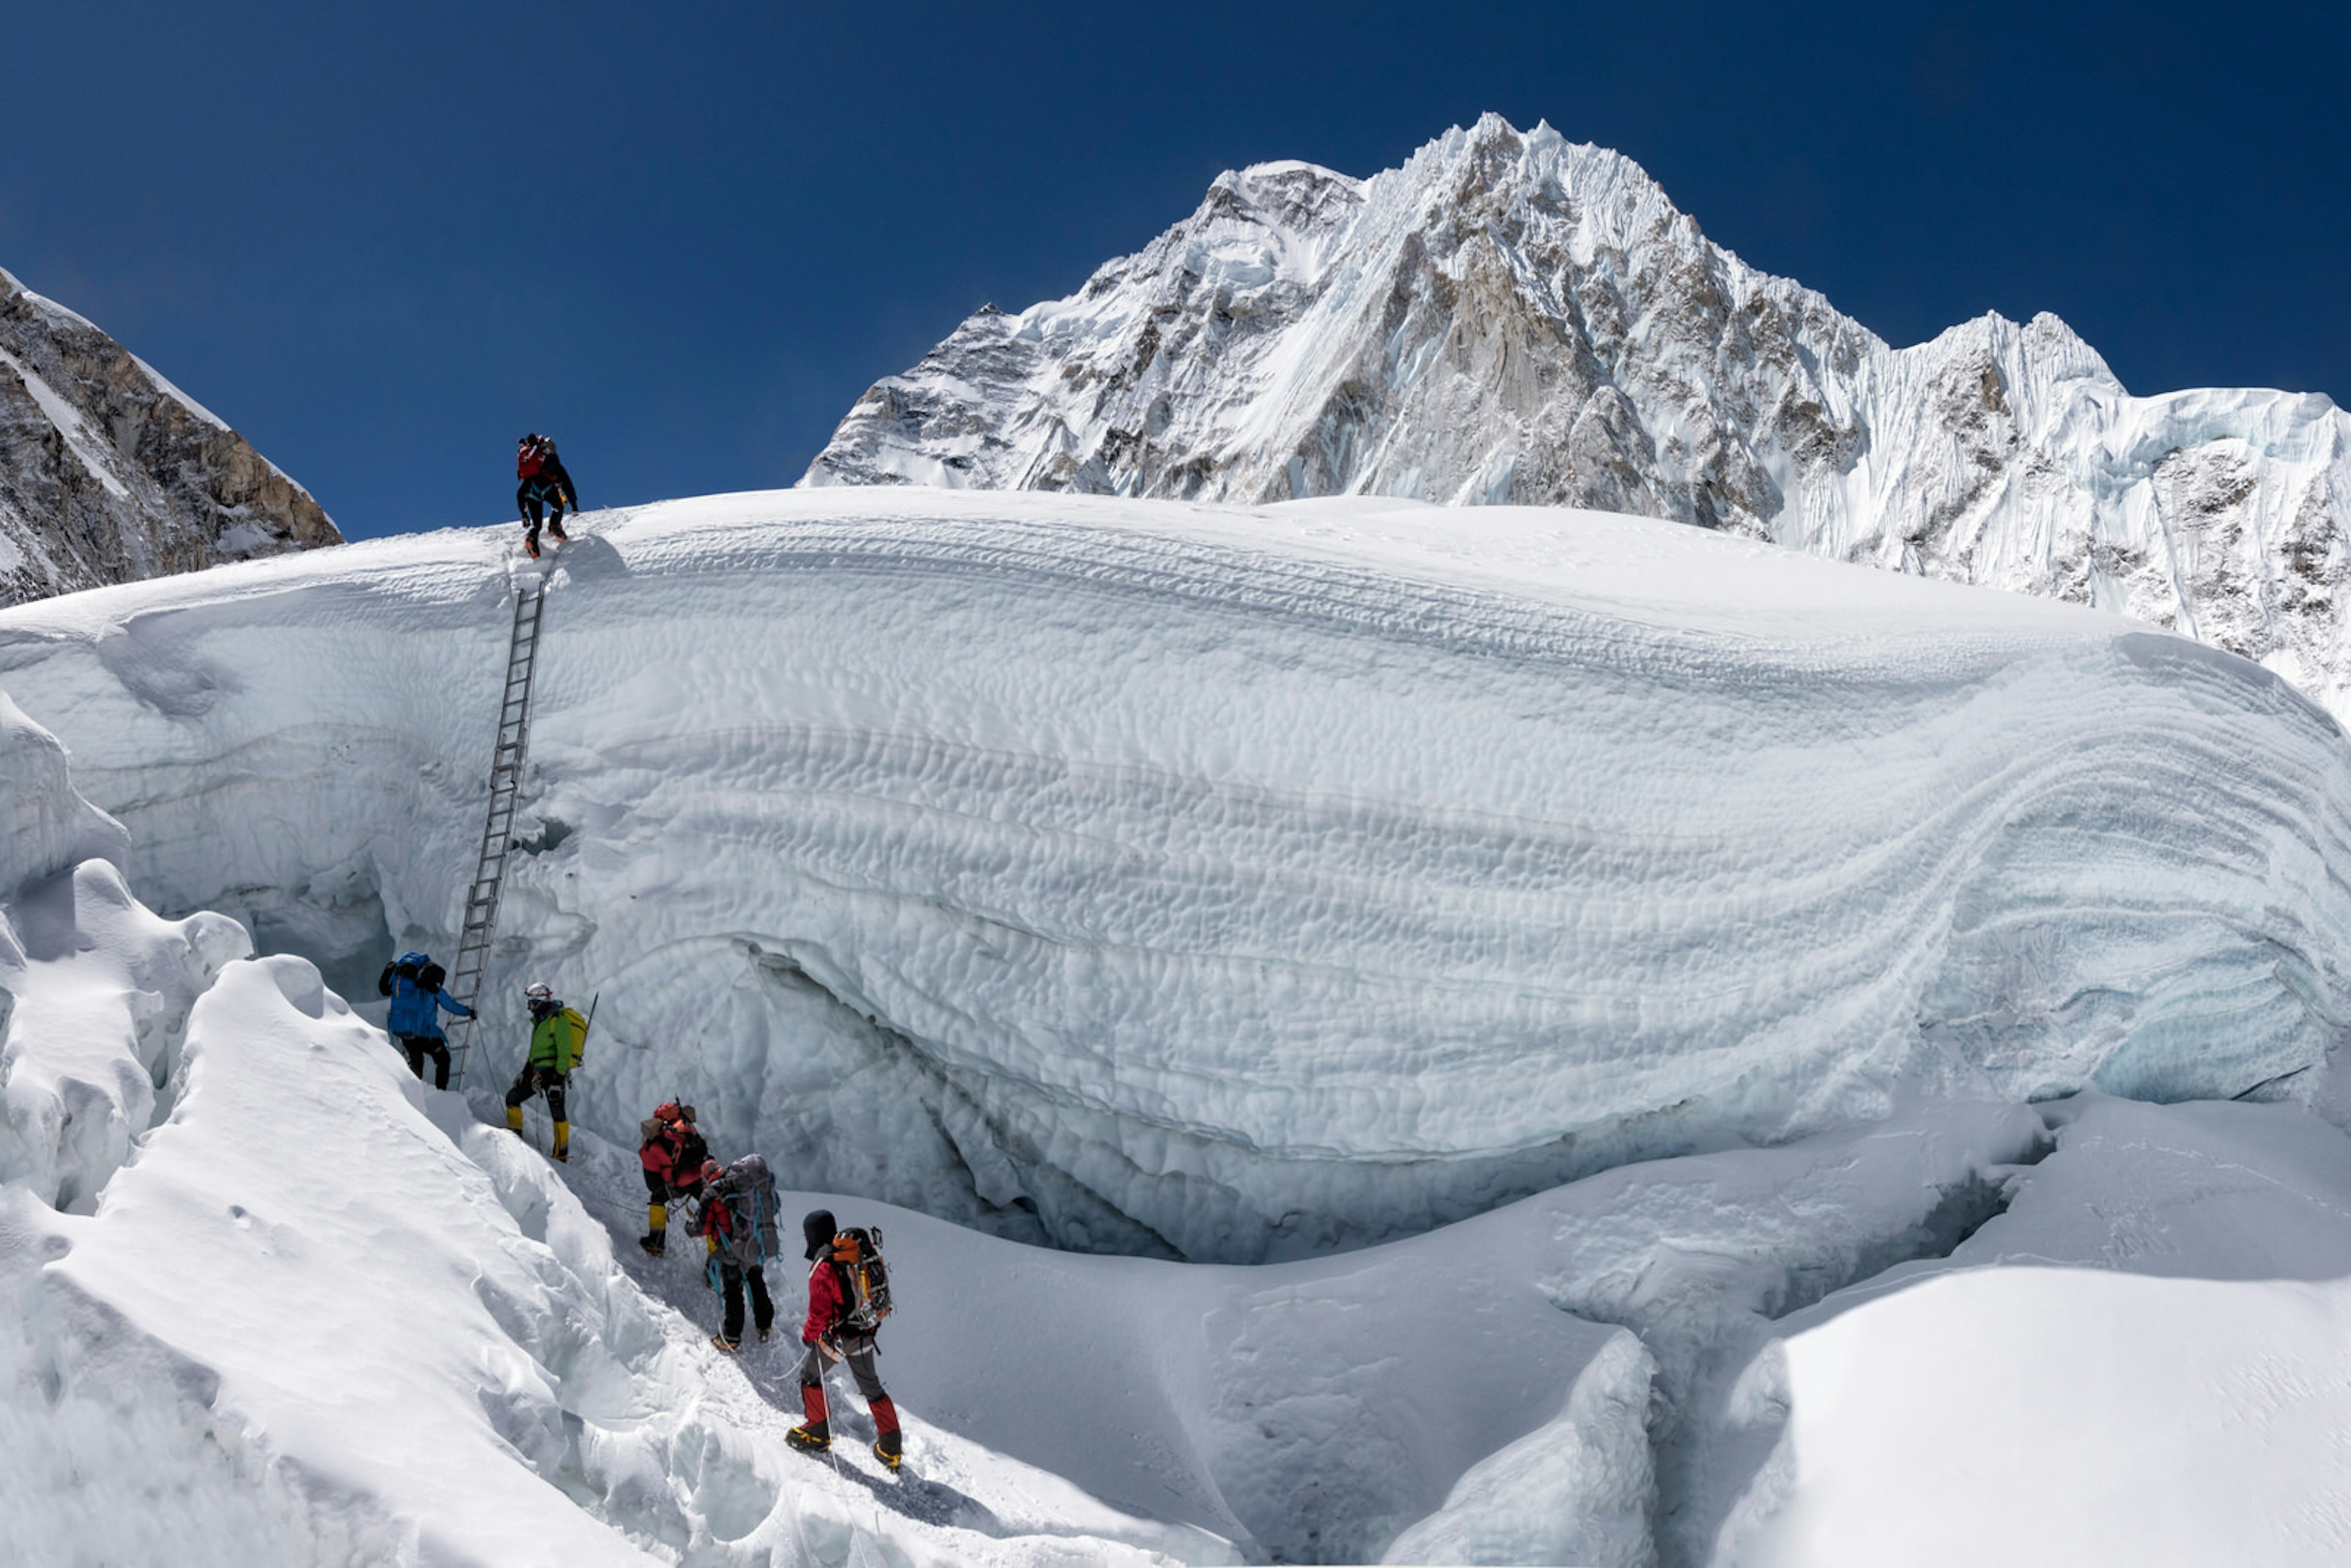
[[290, 1306], [901, 829], [1242, 883]]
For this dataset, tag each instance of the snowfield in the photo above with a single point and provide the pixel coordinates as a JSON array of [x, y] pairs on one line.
[[1373, 1033]]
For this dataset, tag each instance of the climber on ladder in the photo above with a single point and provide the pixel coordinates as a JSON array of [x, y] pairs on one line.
[[558, 1035], [541, 482]]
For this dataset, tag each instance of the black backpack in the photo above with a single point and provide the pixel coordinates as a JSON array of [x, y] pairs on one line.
[[430, 977]]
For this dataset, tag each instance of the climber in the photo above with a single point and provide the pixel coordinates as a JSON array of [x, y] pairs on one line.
[[672, 1153], [737, 1217], [412, 981], [541, 481], [558, 1036], [841, 1319]]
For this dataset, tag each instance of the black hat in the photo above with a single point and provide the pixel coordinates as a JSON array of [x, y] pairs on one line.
[[818, 1230]]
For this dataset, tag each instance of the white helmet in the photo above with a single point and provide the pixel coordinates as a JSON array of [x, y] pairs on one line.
[[540, 992]]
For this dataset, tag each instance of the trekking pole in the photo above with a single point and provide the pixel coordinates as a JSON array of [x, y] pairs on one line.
[[824, 1381]]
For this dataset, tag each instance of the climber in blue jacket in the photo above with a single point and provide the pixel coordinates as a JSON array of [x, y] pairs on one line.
[[412, 981]]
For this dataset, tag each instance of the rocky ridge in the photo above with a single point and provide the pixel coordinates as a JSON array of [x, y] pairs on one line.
[[1511, 317], [109, 473]]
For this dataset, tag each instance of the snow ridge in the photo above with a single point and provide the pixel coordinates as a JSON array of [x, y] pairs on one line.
[[1513, 319], [1245, 884], [109, 473]]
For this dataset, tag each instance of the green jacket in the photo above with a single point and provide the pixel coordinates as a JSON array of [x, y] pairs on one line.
[[557, 1040]]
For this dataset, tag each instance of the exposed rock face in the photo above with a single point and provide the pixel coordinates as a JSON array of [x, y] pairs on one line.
[[109, 472], [1512, 318]]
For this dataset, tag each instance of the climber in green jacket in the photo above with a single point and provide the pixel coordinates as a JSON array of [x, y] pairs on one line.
[[557, 1033]]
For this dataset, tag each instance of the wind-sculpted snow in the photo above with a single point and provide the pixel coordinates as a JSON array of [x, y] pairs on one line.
[[1242, 884], [2142, 1360], [1514, 318]]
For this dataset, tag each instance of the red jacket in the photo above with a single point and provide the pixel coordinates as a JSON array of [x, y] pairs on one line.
[[825, 1303], [665, 1155]]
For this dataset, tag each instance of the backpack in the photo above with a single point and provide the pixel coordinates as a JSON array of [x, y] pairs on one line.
[[526, 460], [690, 1150], [686, 1148], [865, 1280], [407, 968], [749, 1193]]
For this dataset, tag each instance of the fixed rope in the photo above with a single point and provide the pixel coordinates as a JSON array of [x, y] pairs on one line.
[[498, 826]]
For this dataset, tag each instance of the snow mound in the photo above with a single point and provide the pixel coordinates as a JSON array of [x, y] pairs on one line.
[[1239, 884], [2142, 1360]]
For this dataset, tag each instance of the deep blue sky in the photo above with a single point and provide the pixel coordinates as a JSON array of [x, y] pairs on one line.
[[685, 237]]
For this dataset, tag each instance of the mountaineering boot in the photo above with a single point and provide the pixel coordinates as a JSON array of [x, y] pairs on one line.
[[656, 1237], [889, 1450], [887, 1443], [812, 1435], [514, 1120], [656, 1243], [557, 530], [563, 1143], [729, 1346], [530, 544]]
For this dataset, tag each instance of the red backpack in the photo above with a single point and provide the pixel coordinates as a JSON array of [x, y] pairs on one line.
[[526, 458]]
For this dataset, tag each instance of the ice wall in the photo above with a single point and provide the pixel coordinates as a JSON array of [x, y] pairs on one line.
[[269, 1299], [45, 826], [1243, 883]]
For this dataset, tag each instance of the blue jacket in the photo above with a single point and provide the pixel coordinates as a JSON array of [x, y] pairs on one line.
[[415, 1012]]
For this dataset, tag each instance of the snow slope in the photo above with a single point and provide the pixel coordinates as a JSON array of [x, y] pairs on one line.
[[1514, 318], [110, 472], [273, 1300], [2143, 1361], [1243, 883], [270, 1300]]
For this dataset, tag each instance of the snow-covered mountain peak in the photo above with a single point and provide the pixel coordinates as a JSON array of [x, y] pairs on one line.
[[1514, 318]]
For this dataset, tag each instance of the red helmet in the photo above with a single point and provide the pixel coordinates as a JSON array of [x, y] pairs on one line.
[[665, 1112], [712, 1170]]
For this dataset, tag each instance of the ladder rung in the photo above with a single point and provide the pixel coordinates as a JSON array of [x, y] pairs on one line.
[[505, 800]]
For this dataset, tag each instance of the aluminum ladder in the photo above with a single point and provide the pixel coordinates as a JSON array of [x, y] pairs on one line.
[[497, 827]]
